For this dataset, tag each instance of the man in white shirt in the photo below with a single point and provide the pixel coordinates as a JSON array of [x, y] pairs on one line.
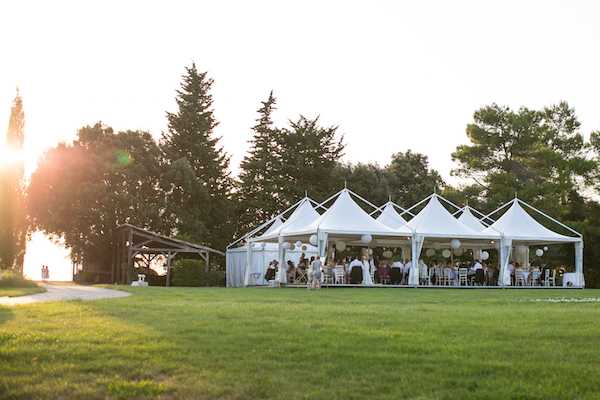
[[479, 275], [356, 263], [397, 270]]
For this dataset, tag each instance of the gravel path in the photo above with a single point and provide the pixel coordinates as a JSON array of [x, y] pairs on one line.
[[64, 292]]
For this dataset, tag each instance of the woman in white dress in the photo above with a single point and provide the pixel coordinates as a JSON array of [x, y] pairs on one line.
[[367, 281]]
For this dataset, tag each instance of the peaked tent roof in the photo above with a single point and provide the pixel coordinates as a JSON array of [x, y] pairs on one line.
[[274, 226], [517, 224], [470, 220], [392, 219], [435, 221], [302, 216], [345, 217]]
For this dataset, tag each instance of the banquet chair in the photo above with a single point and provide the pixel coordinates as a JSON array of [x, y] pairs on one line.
[[520, 278], [339, 275], [301, 276], [430, 276], [550, 278], [396, 276], [327, 276], [462, 277], [535, 277], [449, 277], [423, 276]]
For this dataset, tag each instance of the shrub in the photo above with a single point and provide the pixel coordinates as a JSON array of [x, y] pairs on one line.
[[11, 279], [191, 273]]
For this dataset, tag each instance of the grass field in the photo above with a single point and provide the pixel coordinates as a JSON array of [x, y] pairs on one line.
[[295, 344], [20, 291]]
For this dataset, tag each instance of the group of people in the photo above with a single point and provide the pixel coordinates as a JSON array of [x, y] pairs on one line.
[[45, 273]]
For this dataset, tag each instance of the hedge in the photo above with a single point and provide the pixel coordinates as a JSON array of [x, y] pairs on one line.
[[191, 273]]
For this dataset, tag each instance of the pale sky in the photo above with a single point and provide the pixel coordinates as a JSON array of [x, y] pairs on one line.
[[393, 75]]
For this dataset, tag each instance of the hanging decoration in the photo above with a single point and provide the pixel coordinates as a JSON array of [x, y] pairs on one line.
[[430, 252], [485, 255], [313, 240], [539, 252], [304, 247], [298, 244], [458, 252], [455, 243], [340, 245], [446, 253], [366, 238], [388, 254]]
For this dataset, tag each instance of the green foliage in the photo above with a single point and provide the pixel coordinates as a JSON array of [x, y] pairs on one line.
[[11, 279], [188, 272], [196, 181], [13, 226], [85, 190]]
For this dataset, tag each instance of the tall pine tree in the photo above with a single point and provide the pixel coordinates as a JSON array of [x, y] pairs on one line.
[[197, 179], [12, 215], [257, 194]]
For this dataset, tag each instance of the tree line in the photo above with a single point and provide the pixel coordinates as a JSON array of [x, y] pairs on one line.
[[181, 184]]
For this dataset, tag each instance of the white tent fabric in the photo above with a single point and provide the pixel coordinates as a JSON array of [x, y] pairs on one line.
[[275, 226], [435, 221], [468, 219], [344, 217], [392, 219], [261, 255], [518, 225], [302, 216]]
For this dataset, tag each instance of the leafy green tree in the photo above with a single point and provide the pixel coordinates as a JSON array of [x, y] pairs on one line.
[[308, 154], [257, 195], [202, 208], [83, 191], [13, 227]]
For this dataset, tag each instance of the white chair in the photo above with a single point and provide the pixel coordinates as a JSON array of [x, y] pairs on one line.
[[520, 278], [534, 277], [339, 275], [550, 278], [423, 275], [463, 277], [449, 277], [328, 276], [253, 281]]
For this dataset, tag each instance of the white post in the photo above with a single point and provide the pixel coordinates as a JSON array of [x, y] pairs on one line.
[[505, 254], [416, 246], [282, 265], [248, 270], [579, 263]]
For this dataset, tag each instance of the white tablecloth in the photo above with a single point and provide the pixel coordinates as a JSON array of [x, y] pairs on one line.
[[570, 277]]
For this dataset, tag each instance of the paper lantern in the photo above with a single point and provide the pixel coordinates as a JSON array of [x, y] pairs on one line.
[[340, 245], [286, 245], [298, 244], [388, 254], [446, 253], [545, 248], [485, 255], [313, 240], [458, 252], [455, 243], [366, 238], [539, 252], [304, 247], [430, 252]]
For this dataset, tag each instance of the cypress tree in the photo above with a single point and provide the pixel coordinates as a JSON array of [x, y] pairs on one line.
[[12, 215], [197, 178]]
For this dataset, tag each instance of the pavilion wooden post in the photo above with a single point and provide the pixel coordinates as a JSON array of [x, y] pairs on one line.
[[206, 268], [168, 282]]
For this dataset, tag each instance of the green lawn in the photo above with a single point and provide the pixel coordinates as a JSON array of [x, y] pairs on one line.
[[295, 344], [20, 291]]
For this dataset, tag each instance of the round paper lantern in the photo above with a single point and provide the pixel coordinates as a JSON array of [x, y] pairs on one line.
[[366, 238], [485, 255], [458, 252], [313, 240], [455, 243], [388, 254], [539, 252], [286, 245], [430, 252], [446, 253], [304, 247], [370, 251], [340, 245], [298, 244], [545, 248]]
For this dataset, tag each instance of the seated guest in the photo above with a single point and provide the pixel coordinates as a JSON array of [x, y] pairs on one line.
[[396, 272], [384, 272], [356, 271], [479, 273]]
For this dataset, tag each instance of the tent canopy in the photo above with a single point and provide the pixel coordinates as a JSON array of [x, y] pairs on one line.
[[344, 217], [517, 224], [302, 216], [392, 219], [468, 219], [274, 226], [435, 221]]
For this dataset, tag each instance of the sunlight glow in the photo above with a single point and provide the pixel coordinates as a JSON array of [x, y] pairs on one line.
[[10, 156]]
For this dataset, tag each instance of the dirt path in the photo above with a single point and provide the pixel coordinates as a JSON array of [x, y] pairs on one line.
[[64, 292]]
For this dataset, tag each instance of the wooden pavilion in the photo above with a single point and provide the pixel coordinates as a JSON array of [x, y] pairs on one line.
[[136, 246]]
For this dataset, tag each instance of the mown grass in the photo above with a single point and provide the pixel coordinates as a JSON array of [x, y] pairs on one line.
[[295, 344], [20, 291]]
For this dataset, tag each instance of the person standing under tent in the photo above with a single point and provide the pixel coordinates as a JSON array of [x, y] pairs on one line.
[[396, 272], [479, 273], [367, 281], [315, 273], [356, 271]]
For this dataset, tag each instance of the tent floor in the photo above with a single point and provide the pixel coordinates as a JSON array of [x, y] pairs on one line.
[[379, 286]]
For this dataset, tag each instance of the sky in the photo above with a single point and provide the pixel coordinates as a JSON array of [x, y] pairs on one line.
[[393, 75]]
